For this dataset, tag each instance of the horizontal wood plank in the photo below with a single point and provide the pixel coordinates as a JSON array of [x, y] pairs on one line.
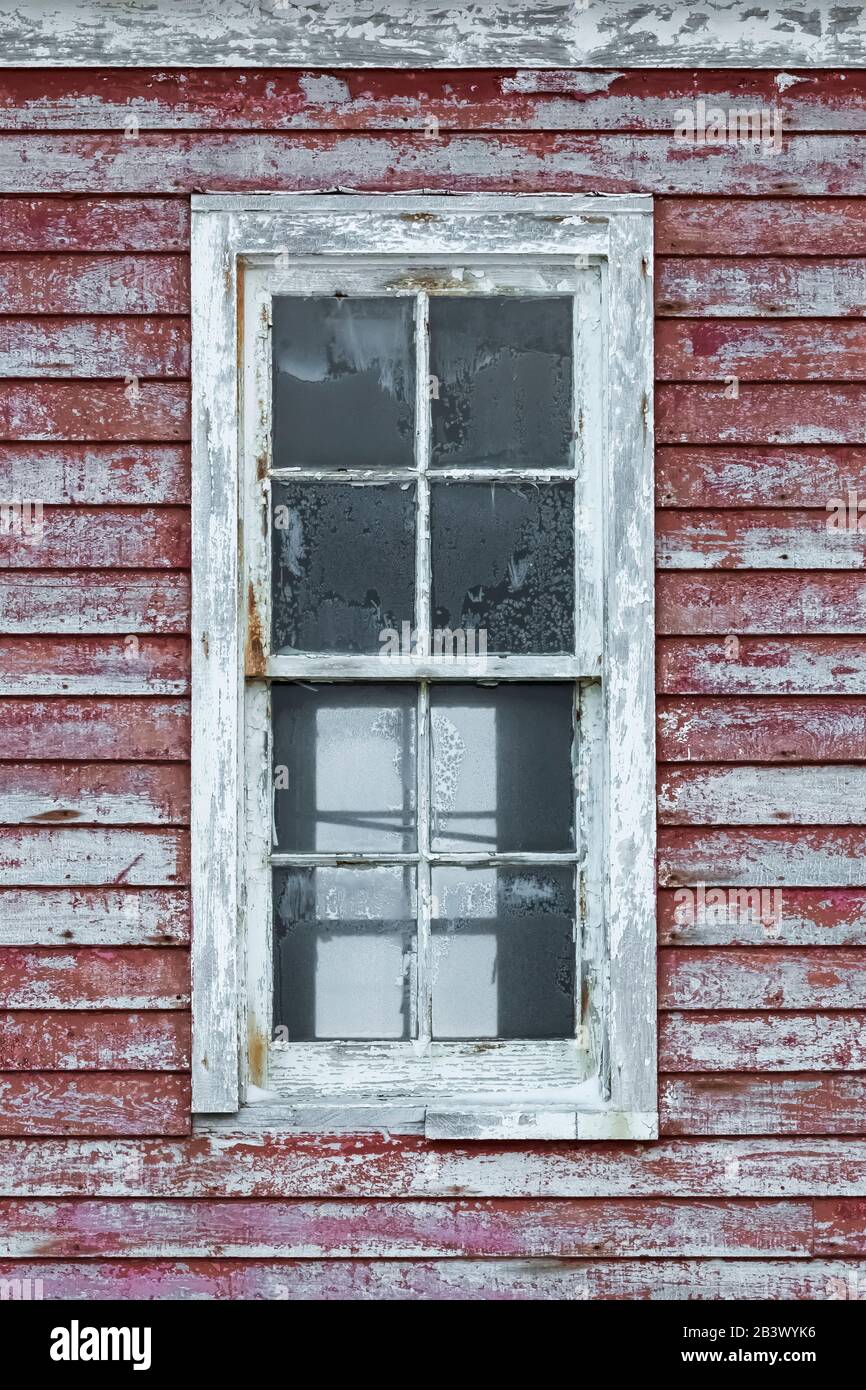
[[101, 475], [140, 410], [93, 284], [114, 1042], [94, 347], [98, 538], [765, 350], [772, 603], [748, 795], [51, 793], [449, 1279], [92, 978], [116, 729], [762, 1042], [760, 287], [750, 1104], [805, 917], [522, 99], [737, 979], [796, 857], [82, 666], [398, 1229], [722, 476], [770, 538], [182, 162], [759, 227], [98, 857], [761, 666], [760, 413], [96, 1104], [840, 1230], [89, 602], [787, 730], [30, 225], [94, 917]]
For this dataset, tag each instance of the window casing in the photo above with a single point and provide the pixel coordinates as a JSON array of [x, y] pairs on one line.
[[254, 259]]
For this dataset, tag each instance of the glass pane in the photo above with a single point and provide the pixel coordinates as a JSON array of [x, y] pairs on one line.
[[503, 953], [344, 953], [503, 562], [502, 775], [343, 570], [344, 382], [501, 382], [344, 768]]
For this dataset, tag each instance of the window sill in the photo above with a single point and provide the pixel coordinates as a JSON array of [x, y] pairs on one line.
[[482, 1123]]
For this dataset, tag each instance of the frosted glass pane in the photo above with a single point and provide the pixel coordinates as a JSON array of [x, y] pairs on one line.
[[343, 565], [501, 371], [503, 953], [344, 953], [344, 768], [343, 382], [503, 562], [502, 768]]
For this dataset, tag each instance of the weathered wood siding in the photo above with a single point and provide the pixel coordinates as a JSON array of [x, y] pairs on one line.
[[758, 1185]]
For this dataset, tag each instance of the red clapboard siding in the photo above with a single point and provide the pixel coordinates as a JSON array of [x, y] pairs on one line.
[[771, 538], [450, 1279], [731, 477], [102, 537], [752, 979], [840, 1227], [762, 1042], [761, 730], [759, 227], [761, 414], [389, 1229], [209, 99], [760, 603], [719, 287], [68, 1041], [274, 1163], [807, 165], [92, 978], [94, 665], [93, 347], [87, 601], [123, 729], [101, 475], [94, 1104], [721, 794], [94, 917], [106, 284], [93, 858], [94, 793], [732, 1105], [72, 410], [761, 666], [808, 917], [796, 857], [93, 224], [798, 350]]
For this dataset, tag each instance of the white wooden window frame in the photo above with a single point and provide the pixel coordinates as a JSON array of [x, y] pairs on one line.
[[603, 1083]]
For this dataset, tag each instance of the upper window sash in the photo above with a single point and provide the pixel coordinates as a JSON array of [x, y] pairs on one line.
[[234, 241]]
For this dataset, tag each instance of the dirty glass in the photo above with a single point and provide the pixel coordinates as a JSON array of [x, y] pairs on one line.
[[503, 952], [344, 764], [344, 953], [343, 382], [503, 562], [501, 767], [343, 565], [501, 381]]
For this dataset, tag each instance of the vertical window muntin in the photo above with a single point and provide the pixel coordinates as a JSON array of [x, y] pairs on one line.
[[423, 1065]]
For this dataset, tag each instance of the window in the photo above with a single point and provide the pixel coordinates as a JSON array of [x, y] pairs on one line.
[[423, 826]]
